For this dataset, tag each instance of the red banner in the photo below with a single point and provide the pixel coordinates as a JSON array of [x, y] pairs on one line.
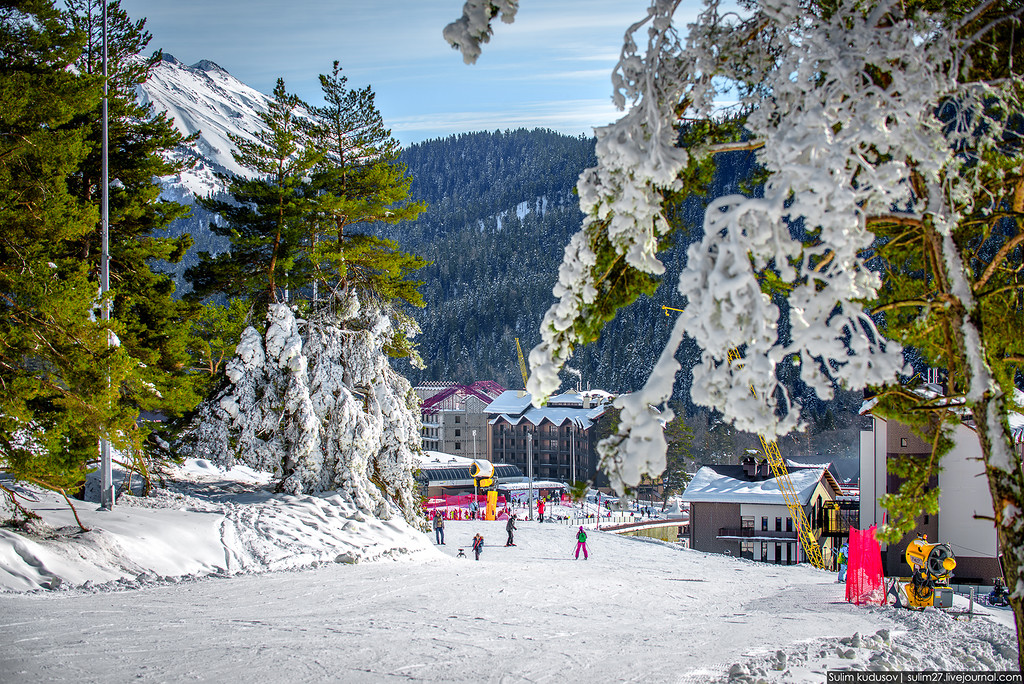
[[864, 582]]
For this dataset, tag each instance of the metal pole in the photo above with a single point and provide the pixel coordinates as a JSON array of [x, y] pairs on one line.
[[572, 451], [106, 470], [529, 469]]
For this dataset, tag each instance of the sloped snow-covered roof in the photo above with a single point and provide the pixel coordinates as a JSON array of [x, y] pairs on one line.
[[557, 415], [438, 459], [729, 484], [513, 402], [515, 407]]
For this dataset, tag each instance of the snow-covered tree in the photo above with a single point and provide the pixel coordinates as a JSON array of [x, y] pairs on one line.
[[314, 399], [317, 403], [867, 116]]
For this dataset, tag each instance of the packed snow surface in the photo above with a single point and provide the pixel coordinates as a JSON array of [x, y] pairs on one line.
[[216, 579]]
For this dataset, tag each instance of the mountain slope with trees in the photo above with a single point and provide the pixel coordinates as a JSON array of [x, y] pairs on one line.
[[501, 206]]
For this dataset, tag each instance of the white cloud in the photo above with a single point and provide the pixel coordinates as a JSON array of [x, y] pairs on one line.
[[572, 117]]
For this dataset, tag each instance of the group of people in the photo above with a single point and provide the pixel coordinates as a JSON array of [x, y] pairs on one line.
[[510, 527]]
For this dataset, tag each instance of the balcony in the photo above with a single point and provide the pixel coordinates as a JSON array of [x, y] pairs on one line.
[[750, 534]]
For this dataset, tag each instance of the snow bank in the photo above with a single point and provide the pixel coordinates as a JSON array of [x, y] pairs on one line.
[[207, 521]]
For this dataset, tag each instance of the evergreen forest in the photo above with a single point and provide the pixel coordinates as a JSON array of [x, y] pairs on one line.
[[501, 206]]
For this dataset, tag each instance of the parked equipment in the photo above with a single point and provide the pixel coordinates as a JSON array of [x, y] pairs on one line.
[[999, 596], [932, 565]]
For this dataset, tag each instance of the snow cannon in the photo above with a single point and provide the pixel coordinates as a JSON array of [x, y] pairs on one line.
[[933, 566], [483, 473], [935, 559]]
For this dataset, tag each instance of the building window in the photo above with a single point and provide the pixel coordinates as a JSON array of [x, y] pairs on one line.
[[458, 419], [903, 442], [789, 554], [764, 524], [764, 550], [778, 553], [789, 524], [458, 446], [778, 524], [458, 433]]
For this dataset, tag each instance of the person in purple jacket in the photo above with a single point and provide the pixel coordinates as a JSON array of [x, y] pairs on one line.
[[581, 543]]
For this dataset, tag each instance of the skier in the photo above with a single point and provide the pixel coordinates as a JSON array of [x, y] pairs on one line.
[[540, 509], [439, 527], [844, 553], [581, 543], [478, 544], [510, 527]]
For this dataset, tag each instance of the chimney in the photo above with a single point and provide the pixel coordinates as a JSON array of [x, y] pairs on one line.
[[764, 470], [749, 467]]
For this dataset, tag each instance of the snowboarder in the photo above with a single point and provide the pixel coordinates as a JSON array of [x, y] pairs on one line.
[[581, 543], [478, 544], [439, 527], [510, 527], [844, 553]]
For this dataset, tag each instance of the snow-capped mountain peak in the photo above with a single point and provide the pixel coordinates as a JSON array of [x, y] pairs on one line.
[[204, 98]]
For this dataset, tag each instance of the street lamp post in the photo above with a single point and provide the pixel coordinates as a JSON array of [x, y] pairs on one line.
[[476, 495], [529, 469], [106, 469], [572, 451]]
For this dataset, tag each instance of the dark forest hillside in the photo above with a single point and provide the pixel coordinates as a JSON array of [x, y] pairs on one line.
[[502, 207]]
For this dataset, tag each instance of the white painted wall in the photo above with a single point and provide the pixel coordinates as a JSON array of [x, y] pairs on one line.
[[872, 472], [964, 493]]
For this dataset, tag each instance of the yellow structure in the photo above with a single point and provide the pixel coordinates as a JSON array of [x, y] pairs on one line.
[[483, 477], [933, 566], [771, 451], [522, 363]]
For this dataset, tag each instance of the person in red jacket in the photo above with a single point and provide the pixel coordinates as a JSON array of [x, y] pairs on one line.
[[540, 509], [581, 543]]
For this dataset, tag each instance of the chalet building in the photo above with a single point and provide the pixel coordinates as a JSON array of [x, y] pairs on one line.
[[564, 441], [964, 520], [739, 510], [453, 417]]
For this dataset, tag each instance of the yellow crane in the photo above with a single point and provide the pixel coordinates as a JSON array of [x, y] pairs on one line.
[[771, 451], [522, 362]]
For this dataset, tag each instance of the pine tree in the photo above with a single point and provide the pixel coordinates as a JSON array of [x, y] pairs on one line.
[[314, 399], [678, 455], [151, 324], [268, 216], [359, 181], [58, 378]]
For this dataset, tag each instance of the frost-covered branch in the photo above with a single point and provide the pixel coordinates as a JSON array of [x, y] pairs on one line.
[[466, 33]]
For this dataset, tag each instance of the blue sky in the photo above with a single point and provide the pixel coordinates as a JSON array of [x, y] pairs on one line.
[[551, 68]]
